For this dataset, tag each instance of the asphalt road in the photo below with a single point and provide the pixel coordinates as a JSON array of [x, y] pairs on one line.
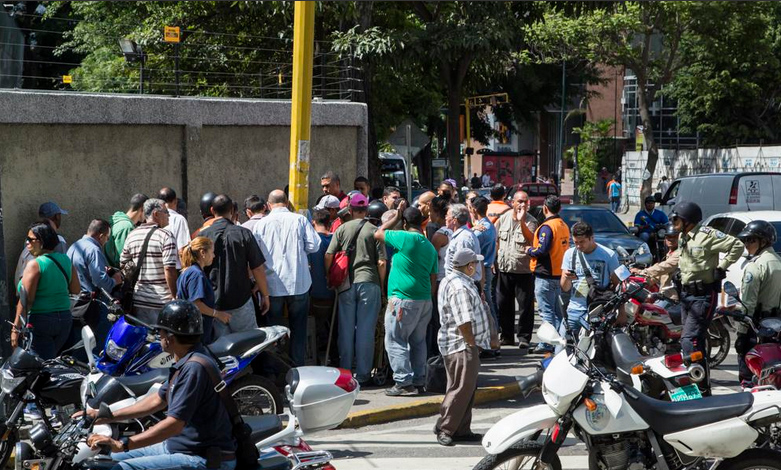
[[412, 445]]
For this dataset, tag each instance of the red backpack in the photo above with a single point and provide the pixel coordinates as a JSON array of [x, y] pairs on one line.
[[339, 275]]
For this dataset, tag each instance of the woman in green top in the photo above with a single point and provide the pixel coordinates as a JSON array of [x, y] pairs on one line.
[[48, 280]]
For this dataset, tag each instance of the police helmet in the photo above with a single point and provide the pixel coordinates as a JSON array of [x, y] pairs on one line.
[[376, 209], [206, 204], [670, 231], [180, 317], [759, 229], [688, 211]]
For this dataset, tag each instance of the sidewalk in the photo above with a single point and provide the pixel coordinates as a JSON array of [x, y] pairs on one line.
[[497, 381]]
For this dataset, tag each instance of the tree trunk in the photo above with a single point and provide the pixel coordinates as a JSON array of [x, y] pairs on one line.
[[454, 132], [365, 10], [644, 100]]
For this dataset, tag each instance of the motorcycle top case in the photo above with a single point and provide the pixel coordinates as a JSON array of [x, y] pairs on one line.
[[316, 399]]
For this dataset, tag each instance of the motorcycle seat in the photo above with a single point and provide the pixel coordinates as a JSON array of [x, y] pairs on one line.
[[263, 426], [670, 417], [236, 344], [140, 384], [625, 353]]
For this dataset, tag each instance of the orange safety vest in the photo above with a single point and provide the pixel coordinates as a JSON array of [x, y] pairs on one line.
[[559, 245], [496, 209]]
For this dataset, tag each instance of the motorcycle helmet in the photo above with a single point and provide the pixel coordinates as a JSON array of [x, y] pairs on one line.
[[670, 231], [375, 211], [180, 317], [206, 204], [759, 229], [688, 211], [650, 199]]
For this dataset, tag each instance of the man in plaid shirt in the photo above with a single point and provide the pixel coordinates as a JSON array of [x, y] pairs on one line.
[[465, 330]]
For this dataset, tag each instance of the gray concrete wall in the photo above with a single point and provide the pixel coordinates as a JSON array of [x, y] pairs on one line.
[[90, 153]]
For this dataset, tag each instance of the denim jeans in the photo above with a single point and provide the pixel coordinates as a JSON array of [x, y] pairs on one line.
[[50, 332], [242, 319], [615, 203], [359, 307], [488, 290], [297, 312], [547, 292], [405, 339], [156, 457]]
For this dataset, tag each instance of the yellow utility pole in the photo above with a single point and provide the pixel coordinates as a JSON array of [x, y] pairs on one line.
[[301, 105]]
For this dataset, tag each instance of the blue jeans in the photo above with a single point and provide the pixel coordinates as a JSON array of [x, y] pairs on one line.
[[645, 236], [547, 292], [359, 307], [242, 319], [488, 290], [615, 202], [50, 332], [297, 311], [405, 339], [156, 457]]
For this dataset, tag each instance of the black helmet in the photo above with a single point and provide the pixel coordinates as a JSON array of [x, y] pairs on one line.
[[180, 317], [759, 229], [670, 231], [206, 204], [376, 209], [688, 211]]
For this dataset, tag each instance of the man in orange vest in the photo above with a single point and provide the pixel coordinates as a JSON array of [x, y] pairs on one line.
[[549, 243], [498, 206]]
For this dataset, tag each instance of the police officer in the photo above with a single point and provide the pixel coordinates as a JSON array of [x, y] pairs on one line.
[[701, 273], [759, 290], [197, 431], [662, 272]]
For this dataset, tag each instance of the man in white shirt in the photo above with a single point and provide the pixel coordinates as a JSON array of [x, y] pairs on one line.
[[177, 224], [285, 239]]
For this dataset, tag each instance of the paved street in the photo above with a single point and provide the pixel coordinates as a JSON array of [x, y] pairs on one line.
[[411, 444]]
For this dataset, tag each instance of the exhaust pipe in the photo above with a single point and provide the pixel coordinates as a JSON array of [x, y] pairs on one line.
[[697, 373]]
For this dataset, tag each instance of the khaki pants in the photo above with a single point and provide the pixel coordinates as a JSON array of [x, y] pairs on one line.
[[456, 412]]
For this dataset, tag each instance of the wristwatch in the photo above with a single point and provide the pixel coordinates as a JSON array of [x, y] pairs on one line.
[[125, 443]]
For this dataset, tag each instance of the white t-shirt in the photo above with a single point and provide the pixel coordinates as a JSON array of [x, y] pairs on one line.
[[177, 225]]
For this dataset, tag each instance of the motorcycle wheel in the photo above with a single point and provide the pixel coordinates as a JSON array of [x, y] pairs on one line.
[[719, 342], [7, 447], [522, 455], [256, 396], [754, 459]]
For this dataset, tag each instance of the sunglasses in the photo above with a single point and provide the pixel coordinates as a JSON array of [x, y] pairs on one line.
[[30, 240]]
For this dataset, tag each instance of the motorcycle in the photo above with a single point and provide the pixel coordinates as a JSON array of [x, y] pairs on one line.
[[624, 429], [131, 349]]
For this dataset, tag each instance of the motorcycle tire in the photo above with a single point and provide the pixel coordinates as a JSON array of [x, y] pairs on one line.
[[7, 447], [256, 396], [754, 459], [718, 337], [514, 455]]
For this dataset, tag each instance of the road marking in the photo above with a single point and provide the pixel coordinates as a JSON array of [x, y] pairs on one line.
[[569, 462]]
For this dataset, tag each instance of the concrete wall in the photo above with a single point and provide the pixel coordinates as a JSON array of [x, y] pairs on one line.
[[91, 153]]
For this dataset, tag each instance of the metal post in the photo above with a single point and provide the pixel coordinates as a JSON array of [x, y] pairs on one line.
[[560, 160], [467, 157], [176, 66], [408, 171], [301, 103]]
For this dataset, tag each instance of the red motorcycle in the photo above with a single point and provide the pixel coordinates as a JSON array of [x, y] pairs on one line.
[[656, 327]]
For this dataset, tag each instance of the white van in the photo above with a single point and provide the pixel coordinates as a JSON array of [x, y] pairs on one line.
[[726, 192]]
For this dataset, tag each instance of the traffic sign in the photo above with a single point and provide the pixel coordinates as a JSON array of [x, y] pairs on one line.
[[439, 163], [171, 34], [67, 79]]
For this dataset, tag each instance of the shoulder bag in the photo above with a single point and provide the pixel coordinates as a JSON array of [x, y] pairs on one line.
[[596, 295], [340, 275], [132, 272]]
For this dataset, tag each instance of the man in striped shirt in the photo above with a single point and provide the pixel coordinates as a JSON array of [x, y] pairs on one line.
[[156, 284]]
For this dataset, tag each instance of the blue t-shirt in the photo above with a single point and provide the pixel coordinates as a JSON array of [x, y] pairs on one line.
[[487, 240], [194, 401], [615, 189], [601, 262], [320, 288], [648, 222], [193, 284]]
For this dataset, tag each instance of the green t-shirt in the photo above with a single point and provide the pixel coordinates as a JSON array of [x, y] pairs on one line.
[[52, 294], [121, 226], [412, 265], [368, 251]]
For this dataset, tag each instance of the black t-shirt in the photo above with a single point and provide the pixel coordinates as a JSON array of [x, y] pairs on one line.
[[235, 249], [194, 401]]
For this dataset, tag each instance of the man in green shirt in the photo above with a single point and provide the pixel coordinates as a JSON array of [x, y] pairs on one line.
[[410, 289], [122, 223]]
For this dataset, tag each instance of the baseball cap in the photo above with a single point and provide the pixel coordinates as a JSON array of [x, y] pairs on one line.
[[50, 209], [464, 256], [359, 200], [329, 202]]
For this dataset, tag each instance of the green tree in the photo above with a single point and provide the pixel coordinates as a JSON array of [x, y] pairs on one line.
[[593, 136]]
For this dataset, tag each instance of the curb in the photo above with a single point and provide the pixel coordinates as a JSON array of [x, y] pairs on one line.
[[424, 407]]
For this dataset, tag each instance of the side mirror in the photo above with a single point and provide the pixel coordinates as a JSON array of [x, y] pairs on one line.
[[547, 334], [88, 337], [634, 230], [646, 259], [658, 197], [731, 290], [622, 251], [622, 273]]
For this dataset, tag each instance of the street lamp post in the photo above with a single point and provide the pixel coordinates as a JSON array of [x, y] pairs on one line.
[[133, 53]]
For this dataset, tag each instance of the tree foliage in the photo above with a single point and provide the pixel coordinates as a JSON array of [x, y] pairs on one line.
[[590, 152]]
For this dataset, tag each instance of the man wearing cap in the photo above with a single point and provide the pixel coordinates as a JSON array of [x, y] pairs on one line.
[[359, 305], [331, 204], [285, 239], [52, 213], [464, 332], [648, 221]]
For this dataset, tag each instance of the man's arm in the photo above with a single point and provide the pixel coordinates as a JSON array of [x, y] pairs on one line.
[[259, 273], [732, 249], [666, 266], [149, 405], [311, 238], [546, 240], [97, 271], [749, 288], [380, 233], [466, 332], [171, 274]]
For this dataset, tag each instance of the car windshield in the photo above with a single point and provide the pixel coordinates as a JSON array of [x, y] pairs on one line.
[[777, 245], [602, 221]]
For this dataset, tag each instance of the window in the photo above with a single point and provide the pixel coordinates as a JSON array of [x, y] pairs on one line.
[[736, 227], [671, 192], [721, 224]]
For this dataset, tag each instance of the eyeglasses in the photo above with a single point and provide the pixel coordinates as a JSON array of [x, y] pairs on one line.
[[30, 240]]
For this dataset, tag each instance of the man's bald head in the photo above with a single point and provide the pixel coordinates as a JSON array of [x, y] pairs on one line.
[[424, 202], [277, 197], [520, 196]]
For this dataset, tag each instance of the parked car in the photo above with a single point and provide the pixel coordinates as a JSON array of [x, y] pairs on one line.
[[609, 231], [726, 192], [732, 223], [538, 192]]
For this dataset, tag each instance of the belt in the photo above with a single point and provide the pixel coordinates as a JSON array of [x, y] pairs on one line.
[[700, 288]]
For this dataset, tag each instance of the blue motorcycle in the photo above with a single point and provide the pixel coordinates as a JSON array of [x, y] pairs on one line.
[[133, 348]]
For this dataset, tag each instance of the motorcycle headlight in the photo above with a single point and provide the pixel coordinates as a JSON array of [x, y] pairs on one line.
[[113, 351], [9, 383]]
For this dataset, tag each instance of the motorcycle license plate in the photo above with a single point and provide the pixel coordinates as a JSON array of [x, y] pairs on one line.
[[686, 393]]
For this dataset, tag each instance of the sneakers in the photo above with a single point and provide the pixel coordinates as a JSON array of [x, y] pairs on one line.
[[523, 343], [444, 440], [399, 391], [543, 348]]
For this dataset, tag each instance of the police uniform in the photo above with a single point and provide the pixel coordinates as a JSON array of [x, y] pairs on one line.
[[700, 249]]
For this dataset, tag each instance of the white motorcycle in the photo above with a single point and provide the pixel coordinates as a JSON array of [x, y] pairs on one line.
[[624, 429]]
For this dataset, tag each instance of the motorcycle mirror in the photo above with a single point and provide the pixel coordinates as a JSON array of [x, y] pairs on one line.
[[23, 299], [731, 290], [104, 411], [613, 401], [634, 230], [622, 272], [88, 337], [547, 334], [622, 251]]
